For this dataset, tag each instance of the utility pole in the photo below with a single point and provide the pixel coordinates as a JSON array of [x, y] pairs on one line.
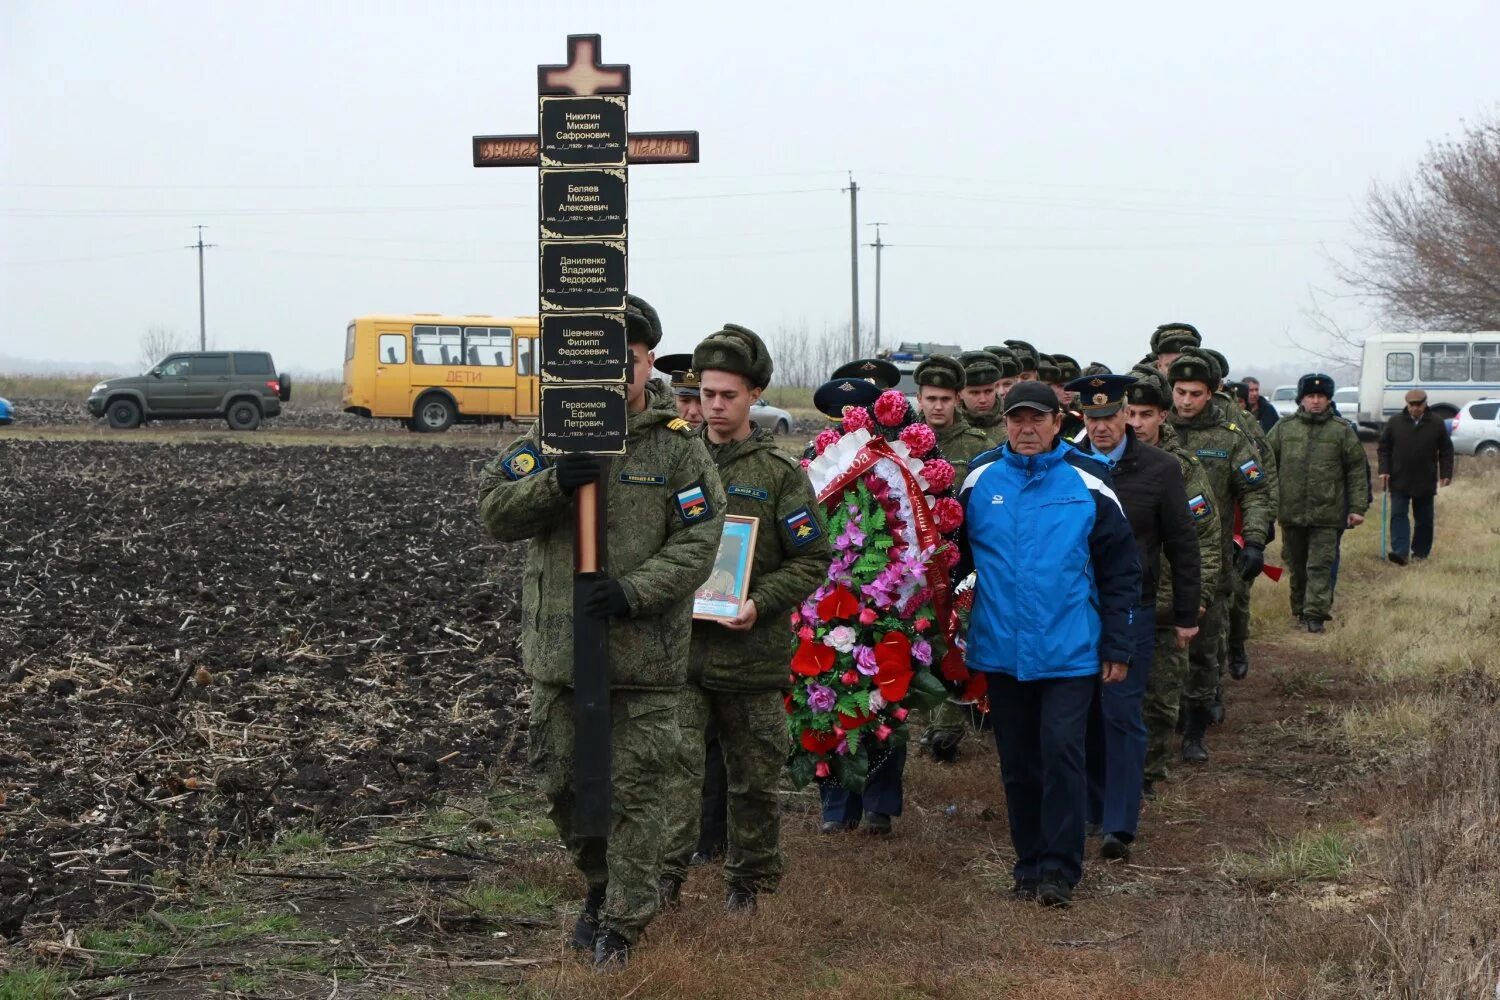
[[200, 246], [879, 246], [853, 190]]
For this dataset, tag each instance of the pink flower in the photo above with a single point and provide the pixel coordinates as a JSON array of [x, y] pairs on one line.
[[923, 624], [841, 638], [919, 439], [849, 678], [857, 418], [900, 714], [864, 660], [938, 472], [867, 616], [890, 408], [826, 438], [877, 700], [882, 732], [804, 462], [821, 769], [805, 632], [948, 513]]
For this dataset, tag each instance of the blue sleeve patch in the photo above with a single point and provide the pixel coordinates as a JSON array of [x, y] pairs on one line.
[[801, 526], [1199, 507], [693, 505], [523, 462], [741, 490], [1250, 469], [643, 478]]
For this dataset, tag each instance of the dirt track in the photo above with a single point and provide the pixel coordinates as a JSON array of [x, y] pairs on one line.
[[204, 643]]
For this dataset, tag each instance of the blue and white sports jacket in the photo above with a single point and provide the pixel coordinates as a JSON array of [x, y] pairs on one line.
[[1058, 576]]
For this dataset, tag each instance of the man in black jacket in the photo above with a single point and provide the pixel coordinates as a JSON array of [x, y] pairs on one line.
[[1148, 483], [1416, 457], [1259, 406]]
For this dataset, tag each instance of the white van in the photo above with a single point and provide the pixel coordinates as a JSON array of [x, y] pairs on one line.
[[1453, 368]]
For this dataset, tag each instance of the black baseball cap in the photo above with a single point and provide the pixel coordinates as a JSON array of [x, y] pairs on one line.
[[1034, 395]]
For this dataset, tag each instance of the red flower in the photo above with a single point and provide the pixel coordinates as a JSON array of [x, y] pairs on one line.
[[900, 714], [840, 603], [813, 658], [938, 473], [857, 418], [825, 439], [893, 666], [867, 616], [976, 687], [952, 668], [890, 408], [819, 743], [821, 769], [948, 513], [788, 704], [883, 732], [919, 440], [849, 678], [849, 723], [922, 624]]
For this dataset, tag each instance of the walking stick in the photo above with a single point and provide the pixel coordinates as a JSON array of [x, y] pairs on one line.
[[1384, 493]]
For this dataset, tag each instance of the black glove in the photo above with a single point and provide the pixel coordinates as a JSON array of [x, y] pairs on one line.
[[575, 470], [606, 599], [1252, 561]]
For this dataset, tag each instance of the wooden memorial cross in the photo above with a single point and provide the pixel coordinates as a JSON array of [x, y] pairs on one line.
[[583, 147]]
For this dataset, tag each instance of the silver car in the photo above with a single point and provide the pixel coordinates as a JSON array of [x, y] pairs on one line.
[[772, 418], [1476, 429]]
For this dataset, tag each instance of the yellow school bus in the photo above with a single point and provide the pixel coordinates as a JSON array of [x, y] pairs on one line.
[[432, 371]]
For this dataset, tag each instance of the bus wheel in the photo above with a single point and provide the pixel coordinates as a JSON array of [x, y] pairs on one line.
[[433, 415]]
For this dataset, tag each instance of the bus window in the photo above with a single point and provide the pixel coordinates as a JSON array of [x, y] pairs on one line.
[[1398, 366], [523, 356], [1445, 362], [393, 349], [437, 345], [1487, 362], [487, 346]]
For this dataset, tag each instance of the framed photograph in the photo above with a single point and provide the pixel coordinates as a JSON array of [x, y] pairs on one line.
[[726, 588]]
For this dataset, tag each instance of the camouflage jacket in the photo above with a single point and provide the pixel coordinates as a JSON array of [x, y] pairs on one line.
[[1202, 506], [792, 554], [665, 509], [1237, 474], [961, 442], [991, 423], [1323, 470]]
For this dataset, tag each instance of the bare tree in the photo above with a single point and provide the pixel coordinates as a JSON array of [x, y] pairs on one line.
[[156, 343], [1431, 252]]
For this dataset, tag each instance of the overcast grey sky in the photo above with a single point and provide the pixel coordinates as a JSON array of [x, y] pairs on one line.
[[1072, 174]]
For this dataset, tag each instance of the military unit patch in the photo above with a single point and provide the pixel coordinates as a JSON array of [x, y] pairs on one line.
[[1199, 507], [644, 478], [801, 526], [692, 504], [1250, 469], [754, 493], [523, 462]]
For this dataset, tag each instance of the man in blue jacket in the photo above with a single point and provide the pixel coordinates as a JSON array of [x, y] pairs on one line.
[[1058, 581]]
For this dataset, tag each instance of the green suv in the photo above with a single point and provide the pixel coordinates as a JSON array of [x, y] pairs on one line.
[[239, 387]]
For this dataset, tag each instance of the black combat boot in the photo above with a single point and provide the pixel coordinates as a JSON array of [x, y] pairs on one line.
[[1315, 626], [611, 951], [1239, 661], [1114, 848], [670, 891], [1053, 889], [1024, 890], [944, 747], [1148, 789], [1193, 751], [587, 926], [740, 900]]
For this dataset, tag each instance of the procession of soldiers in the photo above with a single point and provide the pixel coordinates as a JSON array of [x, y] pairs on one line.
[[1114, 525]]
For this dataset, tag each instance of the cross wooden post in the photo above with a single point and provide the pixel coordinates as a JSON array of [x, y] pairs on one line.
[[583, 147]]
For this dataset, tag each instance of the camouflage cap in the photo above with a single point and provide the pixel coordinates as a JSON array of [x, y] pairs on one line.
[[1179, 334], [1047, 369], [1147, 391], [1219, 360], [1069, 367], [1240, 390], [642, 324], [1211, 361], [1026, 355], [1096, 368], [738, 350], [1000, 352], [980, 368], [1193, 367], [941, 372]]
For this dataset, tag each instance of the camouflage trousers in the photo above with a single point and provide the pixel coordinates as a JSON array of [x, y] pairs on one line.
[[752, 732], [1169, 667], [643, 745], [1309, 554], [1239, 613], [1208, 652], [948, 717]]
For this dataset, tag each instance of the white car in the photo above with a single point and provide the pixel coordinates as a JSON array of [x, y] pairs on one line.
[[1284, 399], [1476, 429], [772, 418]]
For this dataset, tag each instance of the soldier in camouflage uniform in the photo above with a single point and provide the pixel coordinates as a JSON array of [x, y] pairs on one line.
[[738, 669], [1009, 370], [939, 380], [1147, 410], [980, 397], [1168, 342], [1057, 374], [1026, 360], [1324, 490], [665, 510], [1238, 477]]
